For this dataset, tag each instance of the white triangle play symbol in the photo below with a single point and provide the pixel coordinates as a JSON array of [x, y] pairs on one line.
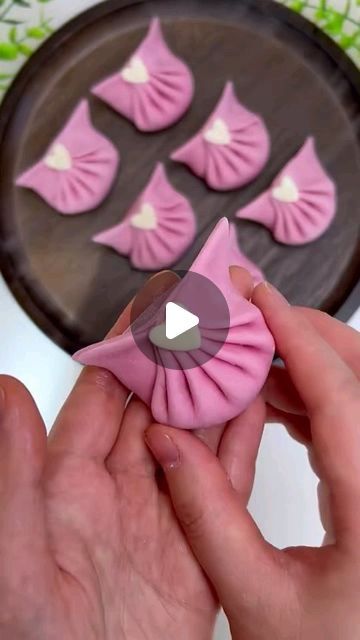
[[178, 320]]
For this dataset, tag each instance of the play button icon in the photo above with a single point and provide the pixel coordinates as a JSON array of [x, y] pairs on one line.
[[184, 327], [179, 332], [179, 320]]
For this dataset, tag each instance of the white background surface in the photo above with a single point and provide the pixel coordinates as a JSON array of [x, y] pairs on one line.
[[284, 498]]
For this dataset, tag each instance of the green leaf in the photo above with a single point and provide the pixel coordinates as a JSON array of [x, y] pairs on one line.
[[3, 87], [25, 50], [297, 5], [5, 76], [36, 33], [13, 35], [321, 15], [44, 1], [8, 51], [346, 41], [334, 23], [22, 3]]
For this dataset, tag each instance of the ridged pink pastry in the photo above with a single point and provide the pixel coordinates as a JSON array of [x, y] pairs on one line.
[[239, 259], [232, 147], [79, 168], [157, 229], [209, 393], [300, 204], [153, 89]]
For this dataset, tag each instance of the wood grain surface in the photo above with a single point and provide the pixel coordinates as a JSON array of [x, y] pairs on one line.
[[282, 68]]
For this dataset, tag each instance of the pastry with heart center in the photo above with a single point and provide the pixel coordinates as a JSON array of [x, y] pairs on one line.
[[300, 204], [153, 89], [211, 390], [78, 169], [158, 228], [231, 148]]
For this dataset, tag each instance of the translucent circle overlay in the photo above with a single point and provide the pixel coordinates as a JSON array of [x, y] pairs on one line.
[[198, 295]]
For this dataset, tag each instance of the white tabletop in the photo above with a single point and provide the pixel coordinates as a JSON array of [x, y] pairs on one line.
[[284, 498]]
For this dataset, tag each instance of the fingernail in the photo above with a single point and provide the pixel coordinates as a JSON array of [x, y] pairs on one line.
[[273, 291], [163, 449], [159, 273]]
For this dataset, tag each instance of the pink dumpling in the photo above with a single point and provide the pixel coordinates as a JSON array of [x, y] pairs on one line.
[[239, 259], [300, 204], [79, 168], [157, 229], [207, 394], [232, 147], [154, 88]]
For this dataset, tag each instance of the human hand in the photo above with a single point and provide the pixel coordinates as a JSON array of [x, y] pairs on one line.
[[90, 548], [298, 593], [284, 404]]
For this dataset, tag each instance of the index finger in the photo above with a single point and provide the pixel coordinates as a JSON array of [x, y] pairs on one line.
[[329, 390], [279, 390], [317, 371]]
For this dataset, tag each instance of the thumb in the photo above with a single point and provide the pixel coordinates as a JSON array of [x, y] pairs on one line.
[[219, 529], [23, 542]]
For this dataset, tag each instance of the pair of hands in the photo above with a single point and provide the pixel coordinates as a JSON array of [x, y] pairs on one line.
[[95, 545]]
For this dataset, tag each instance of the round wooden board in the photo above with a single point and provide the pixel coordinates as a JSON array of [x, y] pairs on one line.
[[283, 68]]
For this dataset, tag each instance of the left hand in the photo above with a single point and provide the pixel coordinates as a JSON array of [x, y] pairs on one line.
[[90, 547]]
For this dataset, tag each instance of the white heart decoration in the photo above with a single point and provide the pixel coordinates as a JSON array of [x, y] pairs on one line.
[[58, 158], [136, 72], [218, 133], [187, 341], [286, 191], [145, 219]]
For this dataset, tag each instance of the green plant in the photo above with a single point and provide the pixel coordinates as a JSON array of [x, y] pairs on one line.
[[22, 38], [339, 25]]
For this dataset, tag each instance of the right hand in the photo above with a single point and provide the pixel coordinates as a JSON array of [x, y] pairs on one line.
[[299, 593], [283, 401]]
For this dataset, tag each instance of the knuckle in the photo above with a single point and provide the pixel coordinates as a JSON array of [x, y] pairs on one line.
[[99, 379], [347, 397], [193, 519]]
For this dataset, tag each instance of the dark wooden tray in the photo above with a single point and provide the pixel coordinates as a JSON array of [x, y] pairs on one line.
[[283, 68]]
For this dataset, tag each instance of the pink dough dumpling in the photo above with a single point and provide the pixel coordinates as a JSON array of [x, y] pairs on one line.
[[158, 228], [232, 147], [209, 393], [78, 169], [153, 89], [300, 204], [239, 259]]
